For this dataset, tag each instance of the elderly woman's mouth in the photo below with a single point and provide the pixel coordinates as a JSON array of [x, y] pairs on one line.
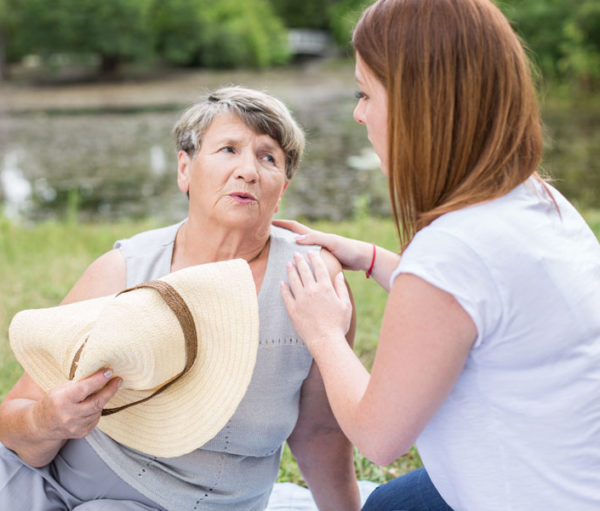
[[243, 197]]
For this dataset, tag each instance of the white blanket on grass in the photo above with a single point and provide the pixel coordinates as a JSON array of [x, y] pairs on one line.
[[291, 497]]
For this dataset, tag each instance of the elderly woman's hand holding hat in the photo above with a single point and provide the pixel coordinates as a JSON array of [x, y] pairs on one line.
[[71, 410]]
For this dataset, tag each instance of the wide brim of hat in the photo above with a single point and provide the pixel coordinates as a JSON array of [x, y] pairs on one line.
[[45, 341], [192, 410]]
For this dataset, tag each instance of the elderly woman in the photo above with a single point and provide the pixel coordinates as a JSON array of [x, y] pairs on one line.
[[237, 151]]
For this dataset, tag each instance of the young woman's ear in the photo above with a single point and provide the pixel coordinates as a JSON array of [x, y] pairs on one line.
[[184, 163]]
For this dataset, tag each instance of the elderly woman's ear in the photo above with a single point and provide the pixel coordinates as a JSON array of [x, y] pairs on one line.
[[183, 171], [287, 182]]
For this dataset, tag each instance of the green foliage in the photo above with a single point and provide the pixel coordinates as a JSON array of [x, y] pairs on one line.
[[116, 30], [220, 34], [304, 14], [178, 31], [243, 34], [540, 24], [343, 17], [562, 35], [581, 47]]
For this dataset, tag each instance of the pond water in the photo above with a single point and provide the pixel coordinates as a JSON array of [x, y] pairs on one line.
[[114, 157]]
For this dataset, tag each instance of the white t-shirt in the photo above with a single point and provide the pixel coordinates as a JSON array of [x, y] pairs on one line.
[[521, 428]]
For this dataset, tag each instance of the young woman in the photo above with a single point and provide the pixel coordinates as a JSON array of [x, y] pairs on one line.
[[489, 351]]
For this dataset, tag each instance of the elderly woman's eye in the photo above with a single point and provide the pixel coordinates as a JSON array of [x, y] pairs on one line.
[[228, 149], [269, 158]]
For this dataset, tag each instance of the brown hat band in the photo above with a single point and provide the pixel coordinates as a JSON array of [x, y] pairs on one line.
[[177, 304]]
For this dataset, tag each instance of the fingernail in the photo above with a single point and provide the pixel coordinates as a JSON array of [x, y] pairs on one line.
[[300, 237], [108, 373], [340, 275]]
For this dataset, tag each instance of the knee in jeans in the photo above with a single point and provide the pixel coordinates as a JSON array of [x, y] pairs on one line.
[[379, 500]]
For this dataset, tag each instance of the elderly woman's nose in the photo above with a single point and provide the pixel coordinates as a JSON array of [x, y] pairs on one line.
[[247, 168]]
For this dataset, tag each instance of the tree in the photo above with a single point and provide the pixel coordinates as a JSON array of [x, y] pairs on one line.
[[115, 30], [540, 24], [562, 36], [581, 47], [222, 34], [3, 24], [343, 18], [305, 13]]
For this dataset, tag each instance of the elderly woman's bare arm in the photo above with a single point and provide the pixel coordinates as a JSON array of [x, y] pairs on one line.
[[36, 424], [322, 451]]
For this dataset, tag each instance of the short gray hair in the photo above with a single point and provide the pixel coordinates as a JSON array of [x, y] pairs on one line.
[[257, 110]]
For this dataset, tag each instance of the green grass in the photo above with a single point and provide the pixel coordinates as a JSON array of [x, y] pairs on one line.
[[40, 263]]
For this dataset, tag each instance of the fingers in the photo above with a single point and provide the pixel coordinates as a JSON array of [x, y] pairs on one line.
[[319, 266], [81, 389], [303, 270], [93, 393], [96, 402], [306, 236], [288, 299], [301, 273], [341, 289], [292, 225], [309, 295]]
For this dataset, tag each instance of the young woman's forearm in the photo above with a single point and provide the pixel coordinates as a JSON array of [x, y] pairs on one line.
[[384, 263]]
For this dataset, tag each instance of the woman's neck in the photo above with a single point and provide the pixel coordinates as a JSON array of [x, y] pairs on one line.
[[199, 244]]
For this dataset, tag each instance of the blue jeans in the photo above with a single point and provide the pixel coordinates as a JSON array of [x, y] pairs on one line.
[[411, 492]]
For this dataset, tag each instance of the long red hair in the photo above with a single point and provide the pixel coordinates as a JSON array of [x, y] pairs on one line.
[[463, 119]]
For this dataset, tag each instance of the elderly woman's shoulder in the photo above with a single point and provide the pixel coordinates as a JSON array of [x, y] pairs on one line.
[[283, 234], [289, 237], [150, 239]]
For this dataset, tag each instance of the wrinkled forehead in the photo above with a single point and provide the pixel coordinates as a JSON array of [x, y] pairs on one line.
[[230, 125]]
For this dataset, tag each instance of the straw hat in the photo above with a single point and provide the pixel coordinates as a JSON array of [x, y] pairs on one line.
[[185, 347]]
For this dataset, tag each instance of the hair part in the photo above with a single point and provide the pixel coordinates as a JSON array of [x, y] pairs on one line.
[[463, 119], [259, 111]]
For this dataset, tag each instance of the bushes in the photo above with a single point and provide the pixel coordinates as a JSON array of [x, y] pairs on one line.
[[343, 18], [562, 34], [219, 34], [564, 37], [115, 30], [227, 33], [242, 34]]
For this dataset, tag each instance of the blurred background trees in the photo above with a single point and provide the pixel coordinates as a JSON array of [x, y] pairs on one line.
[[563, 36], [111, 32], [222, 34]]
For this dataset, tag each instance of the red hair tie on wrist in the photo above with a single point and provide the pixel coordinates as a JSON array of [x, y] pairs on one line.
[[370, 270]]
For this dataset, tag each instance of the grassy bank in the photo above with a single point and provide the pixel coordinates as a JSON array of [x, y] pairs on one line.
[[40, 263]]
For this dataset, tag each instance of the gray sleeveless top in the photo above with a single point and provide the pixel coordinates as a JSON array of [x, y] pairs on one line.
[[236, 469]]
